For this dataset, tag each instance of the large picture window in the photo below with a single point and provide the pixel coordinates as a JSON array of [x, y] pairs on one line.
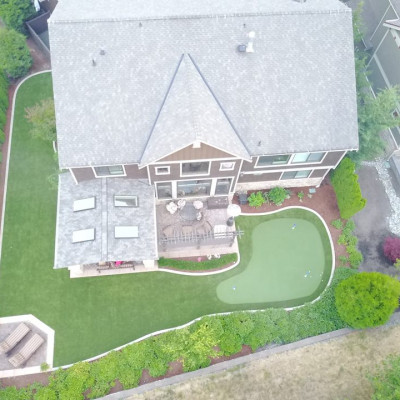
[[277, 159], [307, 157], [109, 170], [195, 168], [194, 188]]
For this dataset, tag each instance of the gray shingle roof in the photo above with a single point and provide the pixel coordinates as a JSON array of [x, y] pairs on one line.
[[296, 92], [191, 113], [103, 218]]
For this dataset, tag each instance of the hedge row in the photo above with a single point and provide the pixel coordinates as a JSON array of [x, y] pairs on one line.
[[198, 265], [15, 12], [347, 189], [194, 346], [3, 103]]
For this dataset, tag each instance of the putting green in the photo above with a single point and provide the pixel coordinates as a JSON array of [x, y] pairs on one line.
[[290, 261]]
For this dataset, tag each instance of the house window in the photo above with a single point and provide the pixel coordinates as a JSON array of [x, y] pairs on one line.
[[126, 201], [164, 190], [162, 170], [194, 188], [223, 186], [109, 170], [307, 157], [277, 159], [227, 166], [296, 174], [195, 168]]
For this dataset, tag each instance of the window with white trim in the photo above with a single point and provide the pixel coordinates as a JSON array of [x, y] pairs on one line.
[[227, 166], [296, 174], [163, 170], [307, 157], [195, 168], [277, 159], [110, 170]]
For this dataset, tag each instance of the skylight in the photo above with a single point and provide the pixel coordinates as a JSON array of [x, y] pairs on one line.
[[126, 232], [85, 204], [126, 201], [84, 235]]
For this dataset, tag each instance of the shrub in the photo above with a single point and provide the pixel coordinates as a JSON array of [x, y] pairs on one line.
[[43, 120], [355, 257], [300, 195], [15, 57], [256, 199], [15, 12], [343, 261], [277, 195], [337, 223], [367, 299], [386, 382], [391, 248], [347, 189]]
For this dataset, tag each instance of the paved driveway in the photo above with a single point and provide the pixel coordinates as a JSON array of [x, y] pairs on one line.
[[372, 221]]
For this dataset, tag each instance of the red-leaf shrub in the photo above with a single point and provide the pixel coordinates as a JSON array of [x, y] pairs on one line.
[[391, 248]]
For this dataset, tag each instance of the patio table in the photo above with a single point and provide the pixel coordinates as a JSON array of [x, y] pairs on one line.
[[188, 213]]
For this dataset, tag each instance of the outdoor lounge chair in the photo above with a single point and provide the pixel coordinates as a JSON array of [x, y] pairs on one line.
[[14, 338], [27, 351]]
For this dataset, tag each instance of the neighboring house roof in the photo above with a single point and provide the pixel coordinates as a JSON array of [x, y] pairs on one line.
[[190, 113], [104, 218], [393, 23], [295, 93]]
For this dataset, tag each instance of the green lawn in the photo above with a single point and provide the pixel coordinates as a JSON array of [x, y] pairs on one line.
[[89, 315]]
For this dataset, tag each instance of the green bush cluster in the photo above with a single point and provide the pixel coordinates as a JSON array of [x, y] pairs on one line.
[[256, 199], [15, 12], [355, 258], [15, 58], [367, 299], [3, 106], [194, 346], [337, 223], [198, 265], [348, 193], [277, 196]]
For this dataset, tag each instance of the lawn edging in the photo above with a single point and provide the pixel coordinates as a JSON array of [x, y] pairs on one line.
[[12, 105], [205, 272], [327, 231]]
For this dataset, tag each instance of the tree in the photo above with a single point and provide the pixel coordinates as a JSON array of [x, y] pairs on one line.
[[367, 299], [391, 249], [15, 12], [374, 113], [386, 382], [15, 57], [348, 192], [43, 120]]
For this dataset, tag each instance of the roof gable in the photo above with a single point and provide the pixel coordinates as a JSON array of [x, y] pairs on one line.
[[191, 113]]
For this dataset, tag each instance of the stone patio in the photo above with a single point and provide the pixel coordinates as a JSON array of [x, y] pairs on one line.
[[43, 355]]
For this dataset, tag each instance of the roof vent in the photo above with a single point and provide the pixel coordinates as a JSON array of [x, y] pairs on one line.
[[300, 1], [93, 62], [247, 48], [102, 52]]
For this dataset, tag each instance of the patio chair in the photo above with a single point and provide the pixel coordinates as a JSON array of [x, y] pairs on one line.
[[27, 351], [14, 338], [168, 231]]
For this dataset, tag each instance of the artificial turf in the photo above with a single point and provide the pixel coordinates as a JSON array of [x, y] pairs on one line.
[[89, 315]]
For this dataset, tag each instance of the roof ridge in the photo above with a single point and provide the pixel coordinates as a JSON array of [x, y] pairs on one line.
[[201, 16], [217, 101], [161, 107]]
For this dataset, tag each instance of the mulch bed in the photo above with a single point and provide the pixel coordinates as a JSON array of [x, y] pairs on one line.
[[323, 202]]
